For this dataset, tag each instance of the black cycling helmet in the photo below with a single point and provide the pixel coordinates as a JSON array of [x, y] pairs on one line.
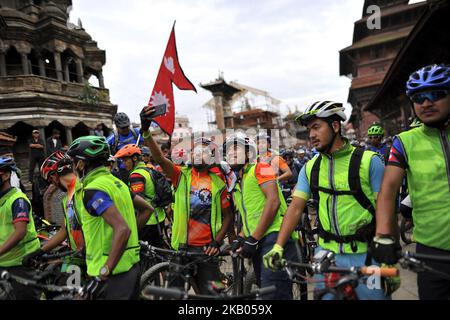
[[89, 148], [288, 154], [122, 120], [146, 151]]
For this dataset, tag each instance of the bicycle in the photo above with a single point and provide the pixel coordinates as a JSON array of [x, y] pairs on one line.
[[414, 262], [340, 282], [179, 267], [177, 294], [52, 268], [61, 292], [406, 230], [44, 229]]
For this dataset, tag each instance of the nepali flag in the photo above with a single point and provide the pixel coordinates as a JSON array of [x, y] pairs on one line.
[[162, 94]]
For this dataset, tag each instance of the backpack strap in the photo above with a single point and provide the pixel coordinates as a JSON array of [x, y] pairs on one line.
[[354, 181], [314, 179], [365, 233]]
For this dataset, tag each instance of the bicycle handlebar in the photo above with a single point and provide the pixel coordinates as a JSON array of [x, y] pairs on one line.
[[386, 272], [421, 256], [223, 251], [178, 294]]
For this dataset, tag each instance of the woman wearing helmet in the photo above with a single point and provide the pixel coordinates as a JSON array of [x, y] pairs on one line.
[[261, 205], [346, 202], [423, 154], [18, 235], [109, 222], [201, 211]]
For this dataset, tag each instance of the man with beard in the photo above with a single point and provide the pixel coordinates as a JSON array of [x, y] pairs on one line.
[[344, 181], [201, 211]]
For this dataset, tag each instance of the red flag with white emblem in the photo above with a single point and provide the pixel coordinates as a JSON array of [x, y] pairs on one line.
[[162, 94]]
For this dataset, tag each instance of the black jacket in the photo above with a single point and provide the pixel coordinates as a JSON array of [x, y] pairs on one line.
[[51, 147]]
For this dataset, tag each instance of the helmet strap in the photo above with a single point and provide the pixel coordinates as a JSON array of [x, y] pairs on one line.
[[330, 145], [80, 172]]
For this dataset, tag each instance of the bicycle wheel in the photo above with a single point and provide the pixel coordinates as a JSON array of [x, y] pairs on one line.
[[155, 276], [6, 291], [406, 230], [250, 282], [300, 290]]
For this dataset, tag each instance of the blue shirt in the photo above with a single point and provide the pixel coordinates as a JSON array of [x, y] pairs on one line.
[[303, 189], [124, 140], [382, 150]]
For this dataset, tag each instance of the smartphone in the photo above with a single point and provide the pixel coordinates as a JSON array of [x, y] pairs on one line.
[[160, 110]]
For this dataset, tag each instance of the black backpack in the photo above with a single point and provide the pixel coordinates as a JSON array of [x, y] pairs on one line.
[[163, 189]]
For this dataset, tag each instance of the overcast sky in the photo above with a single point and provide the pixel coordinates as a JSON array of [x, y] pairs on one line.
[[289, 48]]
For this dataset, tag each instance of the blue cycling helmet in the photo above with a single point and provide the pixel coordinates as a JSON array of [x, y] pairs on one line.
[[7, 164], [430, 77]]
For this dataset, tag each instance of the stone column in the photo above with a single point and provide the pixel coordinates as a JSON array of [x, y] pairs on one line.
[[58, 66], [79, 66], [69, 135], [24, 63], [42, 68], [101, 80], [43, 137], [2, 65], [218, 101], [66, 72]]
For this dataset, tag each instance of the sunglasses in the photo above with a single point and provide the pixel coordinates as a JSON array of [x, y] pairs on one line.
[[431, 96]]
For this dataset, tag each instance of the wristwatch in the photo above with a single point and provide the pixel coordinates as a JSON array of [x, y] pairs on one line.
[[104, 271]]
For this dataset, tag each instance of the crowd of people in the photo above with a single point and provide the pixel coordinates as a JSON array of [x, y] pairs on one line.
[[121, 189]]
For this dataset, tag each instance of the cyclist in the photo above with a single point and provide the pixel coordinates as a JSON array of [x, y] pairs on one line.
[[302, 159], [57, 170], [141, 183], [146, 155], [345, 200], [423, 153], [289, 157], [271, 157], [18, 235], [201, 211], [376, 134], [261, 205], [121, 137], [109, 225]]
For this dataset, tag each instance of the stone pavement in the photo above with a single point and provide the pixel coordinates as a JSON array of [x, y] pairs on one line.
[[408, 288]]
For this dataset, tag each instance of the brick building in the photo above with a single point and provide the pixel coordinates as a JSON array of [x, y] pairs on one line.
[[372, 53]]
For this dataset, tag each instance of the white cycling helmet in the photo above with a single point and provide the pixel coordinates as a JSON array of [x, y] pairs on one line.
[[322, 109]]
